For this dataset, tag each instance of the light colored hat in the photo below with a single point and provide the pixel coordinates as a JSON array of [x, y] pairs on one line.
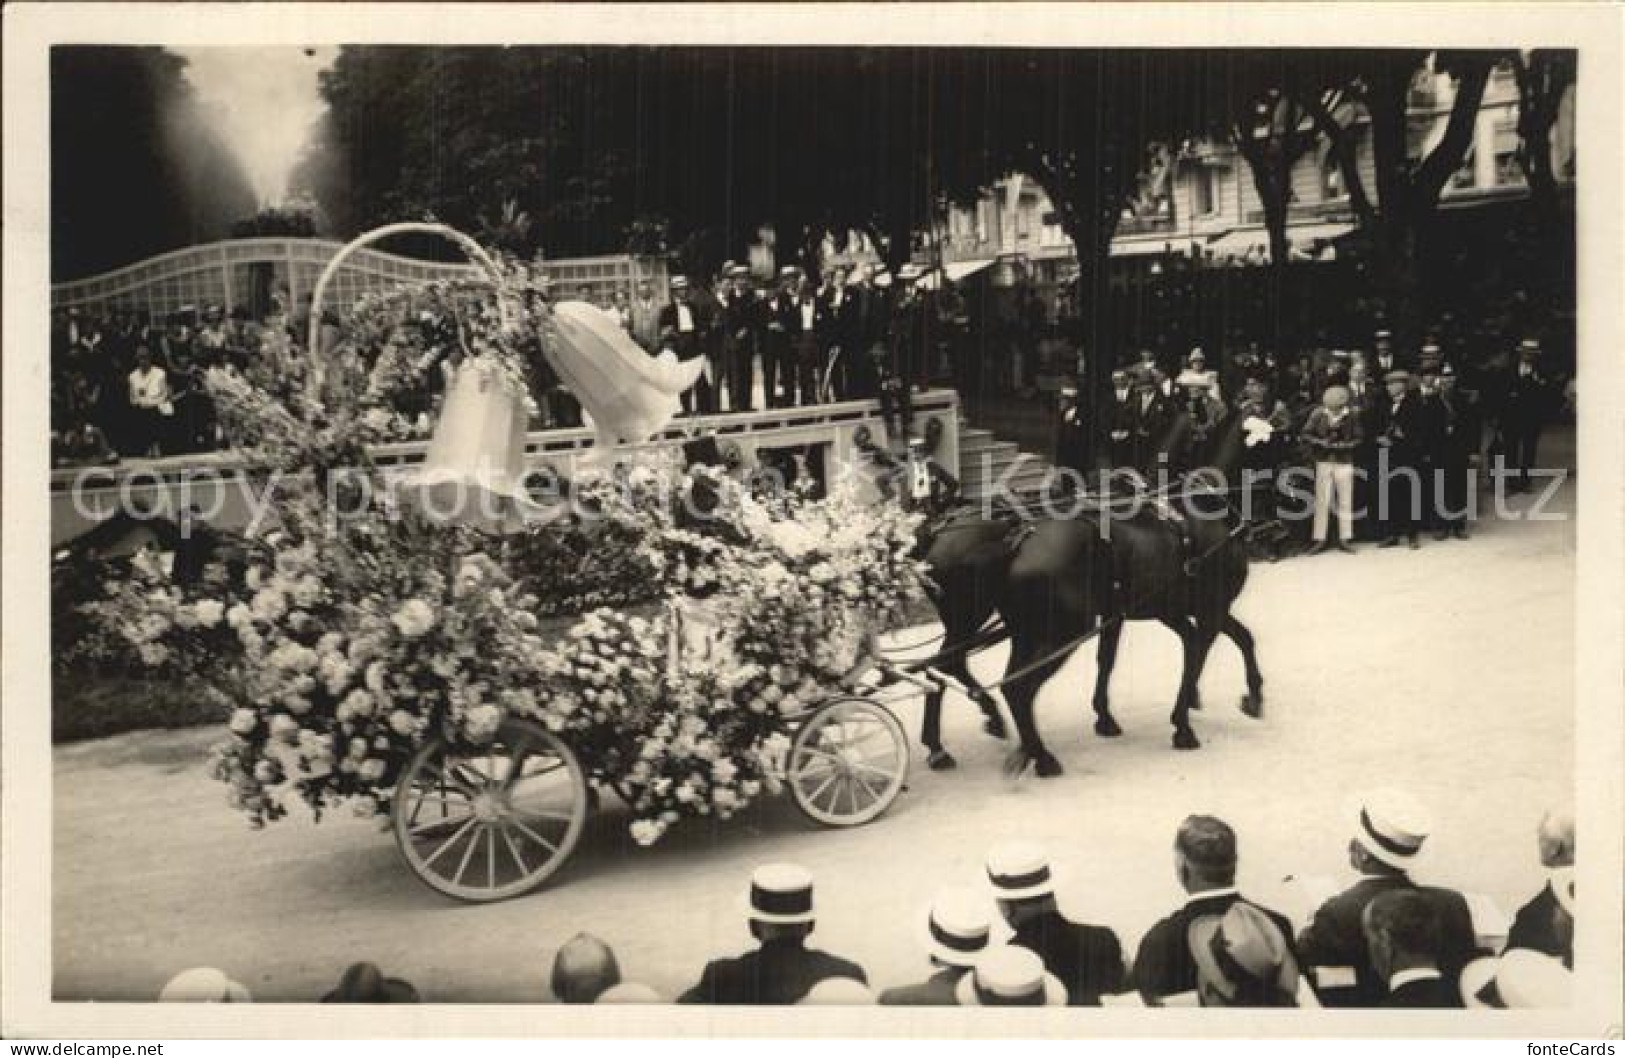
[[788, 271], [1519, 980], [1391, 825], [958, 927], [203, 984], [1019, 870], [1010, 977], [1530, 344], [838, 992], [1383, 334], [1242, 958], [1397, 376], [679, 282], [781, 894], [1193, 379], [1335, 396], [629, 992]]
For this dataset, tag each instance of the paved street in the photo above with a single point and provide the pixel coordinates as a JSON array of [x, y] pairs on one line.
[[1447, 670]]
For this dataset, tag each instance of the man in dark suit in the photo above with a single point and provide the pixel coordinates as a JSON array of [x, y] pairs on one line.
[[957, 932], [1088, 960], [1525, 404], [740, 313], [782, 969], [1364, 398], [1152, 414], [1401, 488], [686, 328], [1402, 933], [1389, 831], [1385, 359], [1205, 861], [838, 333], [1120, 449], [780, 330], [1454, 433], [1546, 923]]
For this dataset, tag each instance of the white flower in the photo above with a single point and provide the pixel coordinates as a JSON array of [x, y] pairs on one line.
[[238, 616], [482, 721], [284, 727], [414, 618], [371, 770], [375, 677], [308, 591], [647, 831], [402, 722], [253, 578], [298, 704], [269, 605], [209, 612], [243, 721], [358, 703], [265, 771]]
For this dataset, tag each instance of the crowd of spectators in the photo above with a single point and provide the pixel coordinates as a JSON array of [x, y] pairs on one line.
[[1393, 445], [1386, 941]]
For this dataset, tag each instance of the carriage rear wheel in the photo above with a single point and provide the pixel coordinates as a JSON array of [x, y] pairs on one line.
[[847, 762], [490, 822]]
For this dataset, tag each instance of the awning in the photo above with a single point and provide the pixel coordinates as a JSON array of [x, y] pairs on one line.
[[957, 270], [1239, 241]]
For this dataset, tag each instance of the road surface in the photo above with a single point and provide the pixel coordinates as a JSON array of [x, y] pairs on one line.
[[1448, 671]]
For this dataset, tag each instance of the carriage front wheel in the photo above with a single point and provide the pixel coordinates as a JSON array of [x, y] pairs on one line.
[[488, 822], [847, 762]]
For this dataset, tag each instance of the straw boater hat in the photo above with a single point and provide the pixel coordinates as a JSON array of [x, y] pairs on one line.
[[1010, 977], [1019, 871], [781, 894], [957, 928], [1518, 980], [838, 992], [1391, 825], [1242, 958], [1397, 376], [203, 984], [629, 992]]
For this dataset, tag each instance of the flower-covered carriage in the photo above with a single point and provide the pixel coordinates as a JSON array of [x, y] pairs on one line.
[[669, 633]]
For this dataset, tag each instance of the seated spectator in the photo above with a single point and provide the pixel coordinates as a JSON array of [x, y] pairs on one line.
[[1168, 965], [1010, 977], [363, 982], [1389, 830], [203, 984], [958, 929], [782, 969], [1546, 923], [838, 992], [1402, 934], [629, 992], [1087, 959], [1519, 980], [584, 969], [81, 444]]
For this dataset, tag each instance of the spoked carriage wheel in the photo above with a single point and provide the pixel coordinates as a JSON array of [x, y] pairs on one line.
[[494, 821], [847, 762]]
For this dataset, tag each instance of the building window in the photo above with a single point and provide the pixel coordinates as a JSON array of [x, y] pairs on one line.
[[1508, 173], [1466, 177]]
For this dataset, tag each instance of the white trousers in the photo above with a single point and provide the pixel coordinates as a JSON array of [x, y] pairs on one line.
[[1334, 479]]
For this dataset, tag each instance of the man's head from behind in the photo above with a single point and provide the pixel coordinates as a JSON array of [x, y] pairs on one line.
[[1401, 932], [1205, 854], [583, 969]]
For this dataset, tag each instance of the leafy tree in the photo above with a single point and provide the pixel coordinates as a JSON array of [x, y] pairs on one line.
[[136, 166]]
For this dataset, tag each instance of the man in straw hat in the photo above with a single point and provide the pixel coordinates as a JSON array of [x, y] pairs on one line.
[[1389, 828], [1546, 923], [1087, 959], [1525, 405], [1333, 434], [1518, 980], [203, 984], [1243, 959], [1402, 935], [1167, 964], [686, 328], [1400, 484], [1009, 977], [782, 969], [956, 930]]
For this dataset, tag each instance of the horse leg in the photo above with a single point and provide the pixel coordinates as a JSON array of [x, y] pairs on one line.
[[959, 669], [1022, 696], [1252, 703], [1105, 661], [1196, 638], [937, 758]]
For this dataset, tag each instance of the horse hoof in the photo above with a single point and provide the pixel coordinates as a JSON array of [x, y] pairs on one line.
[[941, 760], [994, 725], [1016, 763], [1046, 766], [1186, 740], [1252, 705], [1106, 727]]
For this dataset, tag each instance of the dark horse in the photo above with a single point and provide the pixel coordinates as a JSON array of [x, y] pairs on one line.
[[1058, 577]]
